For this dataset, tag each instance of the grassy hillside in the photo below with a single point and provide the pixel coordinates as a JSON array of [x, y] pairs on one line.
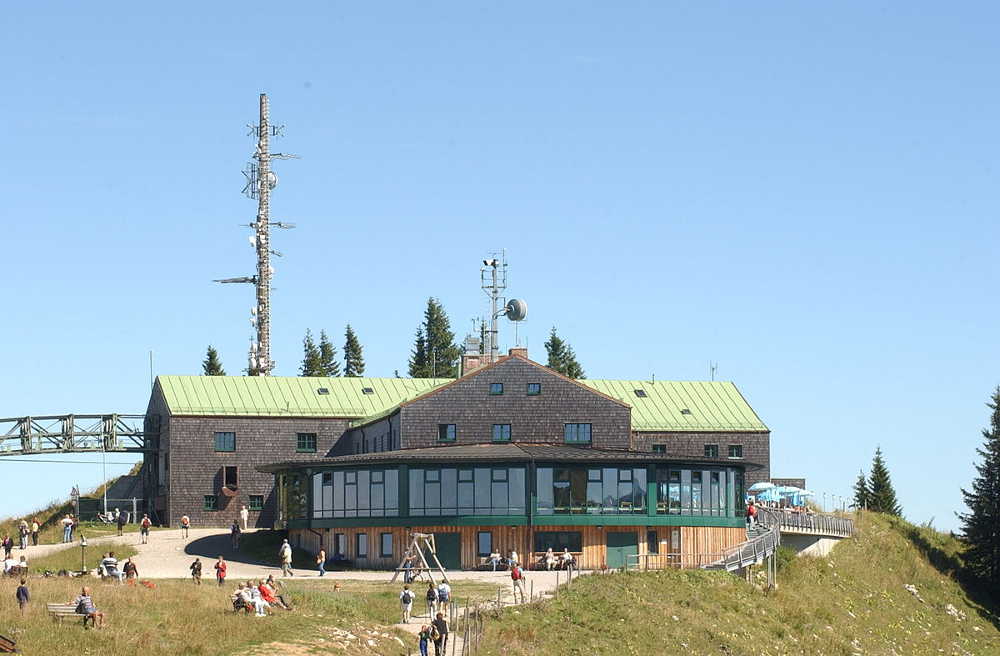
[[854, 602]]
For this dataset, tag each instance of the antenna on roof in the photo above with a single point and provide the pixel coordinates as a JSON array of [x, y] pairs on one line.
[[712, 367], [493, 280]]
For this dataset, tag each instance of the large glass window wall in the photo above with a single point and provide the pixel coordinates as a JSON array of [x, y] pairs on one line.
[[356, 493], [591, 490], [713, 492], [449, 491]]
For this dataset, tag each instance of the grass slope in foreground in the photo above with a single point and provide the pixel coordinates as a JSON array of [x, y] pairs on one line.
[[851, 603]]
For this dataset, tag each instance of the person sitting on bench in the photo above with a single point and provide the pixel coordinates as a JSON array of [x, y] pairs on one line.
[[567, 559], [84, 605]]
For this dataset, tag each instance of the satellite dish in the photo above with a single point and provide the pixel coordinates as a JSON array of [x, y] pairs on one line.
[[252, 239], [272, 179], [516, 309]]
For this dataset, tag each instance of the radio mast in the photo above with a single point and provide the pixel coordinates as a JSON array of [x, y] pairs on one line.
[[261, 180]]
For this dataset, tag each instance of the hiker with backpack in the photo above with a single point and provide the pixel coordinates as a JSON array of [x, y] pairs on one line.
[[432, 598], [517, 580], [439, 633], [751, 515], [406, 603], [144, 529]]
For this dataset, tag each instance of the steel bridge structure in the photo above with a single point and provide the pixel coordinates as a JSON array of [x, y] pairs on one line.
[[75, 434]]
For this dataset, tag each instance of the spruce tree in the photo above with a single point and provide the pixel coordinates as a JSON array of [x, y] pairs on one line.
[[561, 357], [312, 364], [981, 525], [327, 356], [354, 361], [861, 492], [435, 353], [881, 495], [211, 366]]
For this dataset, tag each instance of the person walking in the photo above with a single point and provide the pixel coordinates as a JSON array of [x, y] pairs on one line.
[[8, 546], [22, 595], [34, 532], [751, 515], [517, 580], [220, 571], [185, 525], [67, 524], [234, 536], [408, 568], [432, 598], [22, 534], [144, 529], [195, 568], [444, 596], [244, 516], [424, 639], [285, 553], [120, 522], [441, 643], [406, 603], [321, 561]]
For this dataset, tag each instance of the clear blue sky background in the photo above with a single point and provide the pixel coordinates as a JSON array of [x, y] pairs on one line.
[[805, 194]]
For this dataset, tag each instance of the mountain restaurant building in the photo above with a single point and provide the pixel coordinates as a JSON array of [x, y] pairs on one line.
[[515, 457]]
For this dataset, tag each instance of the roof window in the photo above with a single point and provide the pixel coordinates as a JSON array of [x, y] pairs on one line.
[[641, 393], [367, 390], [322, 390], [685, 411]]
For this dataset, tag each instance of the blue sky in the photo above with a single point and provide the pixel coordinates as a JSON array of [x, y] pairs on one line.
[[804, 194]]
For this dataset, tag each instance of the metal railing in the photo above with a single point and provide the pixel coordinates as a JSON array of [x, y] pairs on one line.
[[645, 562], [819, 524], [73, 434]]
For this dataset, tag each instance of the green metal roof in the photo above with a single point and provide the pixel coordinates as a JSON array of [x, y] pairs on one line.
[[288, 396], [711, 406]]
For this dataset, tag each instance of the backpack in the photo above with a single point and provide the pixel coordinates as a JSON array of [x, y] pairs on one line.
[[515, 573], [435, 634], [407, 597]]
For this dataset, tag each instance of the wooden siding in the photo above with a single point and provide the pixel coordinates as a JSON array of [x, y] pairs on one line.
[[694, 540]]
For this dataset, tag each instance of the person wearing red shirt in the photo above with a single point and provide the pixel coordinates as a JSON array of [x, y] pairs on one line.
[[220, 570], [267, 594]]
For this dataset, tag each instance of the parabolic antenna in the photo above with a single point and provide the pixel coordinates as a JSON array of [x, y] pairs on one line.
[[272, 179], [516, 309]]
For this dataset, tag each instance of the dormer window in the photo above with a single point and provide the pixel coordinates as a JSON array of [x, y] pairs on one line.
[[367, 390], [322, 391], [641, 393]]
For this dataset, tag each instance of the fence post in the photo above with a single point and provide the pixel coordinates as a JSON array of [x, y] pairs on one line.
[[531, 593]]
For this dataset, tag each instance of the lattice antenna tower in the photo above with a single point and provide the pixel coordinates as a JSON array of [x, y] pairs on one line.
[[493, 281], [260, 182]]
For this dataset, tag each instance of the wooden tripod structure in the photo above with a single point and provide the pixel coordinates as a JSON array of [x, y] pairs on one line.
[[420, 544]]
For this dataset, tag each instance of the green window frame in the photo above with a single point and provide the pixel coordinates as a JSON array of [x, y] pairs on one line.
[[534, 389], [501, 432], [256, 502], [711, 450], [447, 432], [225, 441], [305, 442], [210, 502], [577, 433], [496, 389], [659, 448]]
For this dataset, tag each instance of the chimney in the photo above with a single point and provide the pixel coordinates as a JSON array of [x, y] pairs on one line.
[[471, 362], [521, 351]]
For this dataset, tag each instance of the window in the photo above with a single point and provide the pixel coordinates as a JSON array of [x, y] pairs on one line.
[[484, 543], [591, 490], [534, 389], [685, 411], [225, 441], [230, 477], [385, 545], [367, 390], [641, 393], [339, 545], [323, 391], [256, 502], [711, 450], [446, 432], [450, 491], [735, 450], [501, 432], [355, 493], [210, 502], [659, 448], [305, 442], [558, 540], [361, 540], [652, 542], [496, 388], [577, 433]]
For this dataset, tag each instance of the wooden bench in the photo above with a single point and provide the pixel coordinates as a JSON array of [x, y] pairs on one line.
[[59, 612], [8, 646]]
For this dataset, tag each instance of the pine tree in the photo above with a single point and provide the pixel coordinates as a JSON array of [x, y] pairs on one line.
[[981, 525], [881, 495], [861, 492], [327, 356], [312, 362], [211, 366], [354, 361], [435, 354], [561, 357]]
